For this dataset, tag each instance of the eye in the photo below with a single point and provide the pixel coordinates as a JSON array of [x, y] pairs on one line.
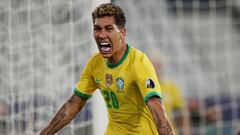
[[96, 29], [109, 29]]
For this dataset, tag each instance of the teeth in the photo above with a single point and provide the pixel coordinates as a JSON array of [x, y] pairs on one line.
[[104, 43], [105, 48]]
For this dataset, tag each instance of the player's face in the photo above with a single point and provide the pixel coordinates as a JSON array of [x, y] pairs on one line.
[[108, 36]]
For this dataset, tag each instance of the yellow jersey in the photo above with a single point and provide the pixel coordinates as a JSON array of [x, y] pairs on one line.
[[126, 87]]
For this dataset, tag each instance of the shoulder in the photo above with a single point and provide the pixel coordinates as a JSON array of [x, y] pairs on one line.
[[140, 62], [95, 58], [95, 61], [138, 57]]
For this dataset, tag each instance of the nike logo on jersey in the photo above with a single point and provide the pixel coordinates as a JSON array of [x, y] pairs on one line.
[[97, 81]]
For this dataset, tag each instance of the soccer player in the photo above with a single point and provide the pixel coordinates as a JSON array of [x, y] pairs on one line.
[[126, 79]]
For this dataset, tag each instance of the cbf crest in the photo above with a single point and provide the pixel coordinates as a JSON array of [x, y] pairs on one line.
[[108, 80], [120, 83]]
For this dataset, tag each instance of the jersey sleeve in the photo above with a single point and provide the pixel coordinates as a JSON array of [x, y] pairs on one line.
[[147, 80], [86, 85]]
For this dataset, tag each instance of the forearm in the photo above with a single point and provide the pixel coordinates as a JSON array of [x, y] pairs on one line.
[[61, 119], [160, 118], [65, 114], [164, 126]]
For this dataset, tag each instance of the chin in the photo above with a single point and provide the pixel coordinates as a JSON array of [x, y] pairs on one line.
[[106, 55]]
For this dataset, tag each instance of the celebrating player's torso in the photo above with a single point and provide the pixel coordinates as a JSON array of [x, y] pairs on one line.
[[126, 87]]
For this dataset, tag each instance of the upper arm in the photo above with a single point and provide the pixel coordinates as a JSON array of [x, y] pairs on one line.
[[159, 116], [156, 107], [158, 113], [86, 84], [146, 79]]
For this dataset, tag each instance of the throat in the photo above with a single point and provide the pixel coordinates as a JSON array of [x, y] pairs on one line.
[[118, 57], [114, 60]]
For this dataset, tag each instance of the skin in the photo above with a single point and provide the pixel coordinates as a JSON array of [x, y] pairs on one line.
[[106, 30], [183, 119], [160, 118], [64, 115]]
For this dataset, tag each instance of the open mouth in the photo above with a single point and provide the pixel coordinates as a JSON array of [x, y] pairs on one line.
[[104, 47]]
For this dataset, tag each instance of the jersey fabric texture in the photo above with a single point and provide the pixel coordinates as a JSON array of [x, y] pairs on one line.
[[126, 87]]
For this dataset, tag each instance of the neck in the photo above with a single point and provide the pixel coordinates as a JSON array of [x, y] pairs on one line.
[[118, 56]]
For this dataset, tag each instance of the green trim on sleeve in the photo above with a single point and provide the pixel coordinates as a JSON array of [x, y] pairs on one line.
[[82, 95], [152, 94]]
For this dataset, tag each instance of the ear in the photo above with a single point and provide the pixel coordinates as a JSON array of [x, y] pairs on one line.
[[123, 33]]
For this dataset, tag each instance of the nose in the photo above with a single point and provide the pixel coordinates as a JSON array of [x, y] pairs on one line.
[[102, 34]]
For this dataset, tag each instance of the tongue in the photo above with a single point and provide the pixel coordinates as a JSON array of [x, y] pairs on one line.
[[105, 49]]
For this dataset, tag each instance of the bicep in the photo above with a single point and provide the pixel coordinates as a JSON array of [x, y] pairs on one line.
[[157, 109], [159, 116], [146, 80]]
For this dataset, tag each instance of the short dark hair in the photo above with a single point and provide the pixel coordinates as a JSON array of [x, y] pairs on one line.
[[110, 9]]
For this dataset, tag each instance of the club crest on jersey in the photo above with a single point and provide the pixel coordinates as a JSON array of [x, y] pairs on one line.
[[108, 80], [150, 83], [120, 83]]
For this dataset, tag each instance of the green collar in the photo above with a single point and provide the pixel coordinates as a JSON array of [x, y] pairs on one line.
[[122, 59]]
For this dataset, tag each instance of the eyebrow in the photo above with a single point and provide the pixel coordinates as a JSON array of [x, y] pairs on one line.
[[110, 25]]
